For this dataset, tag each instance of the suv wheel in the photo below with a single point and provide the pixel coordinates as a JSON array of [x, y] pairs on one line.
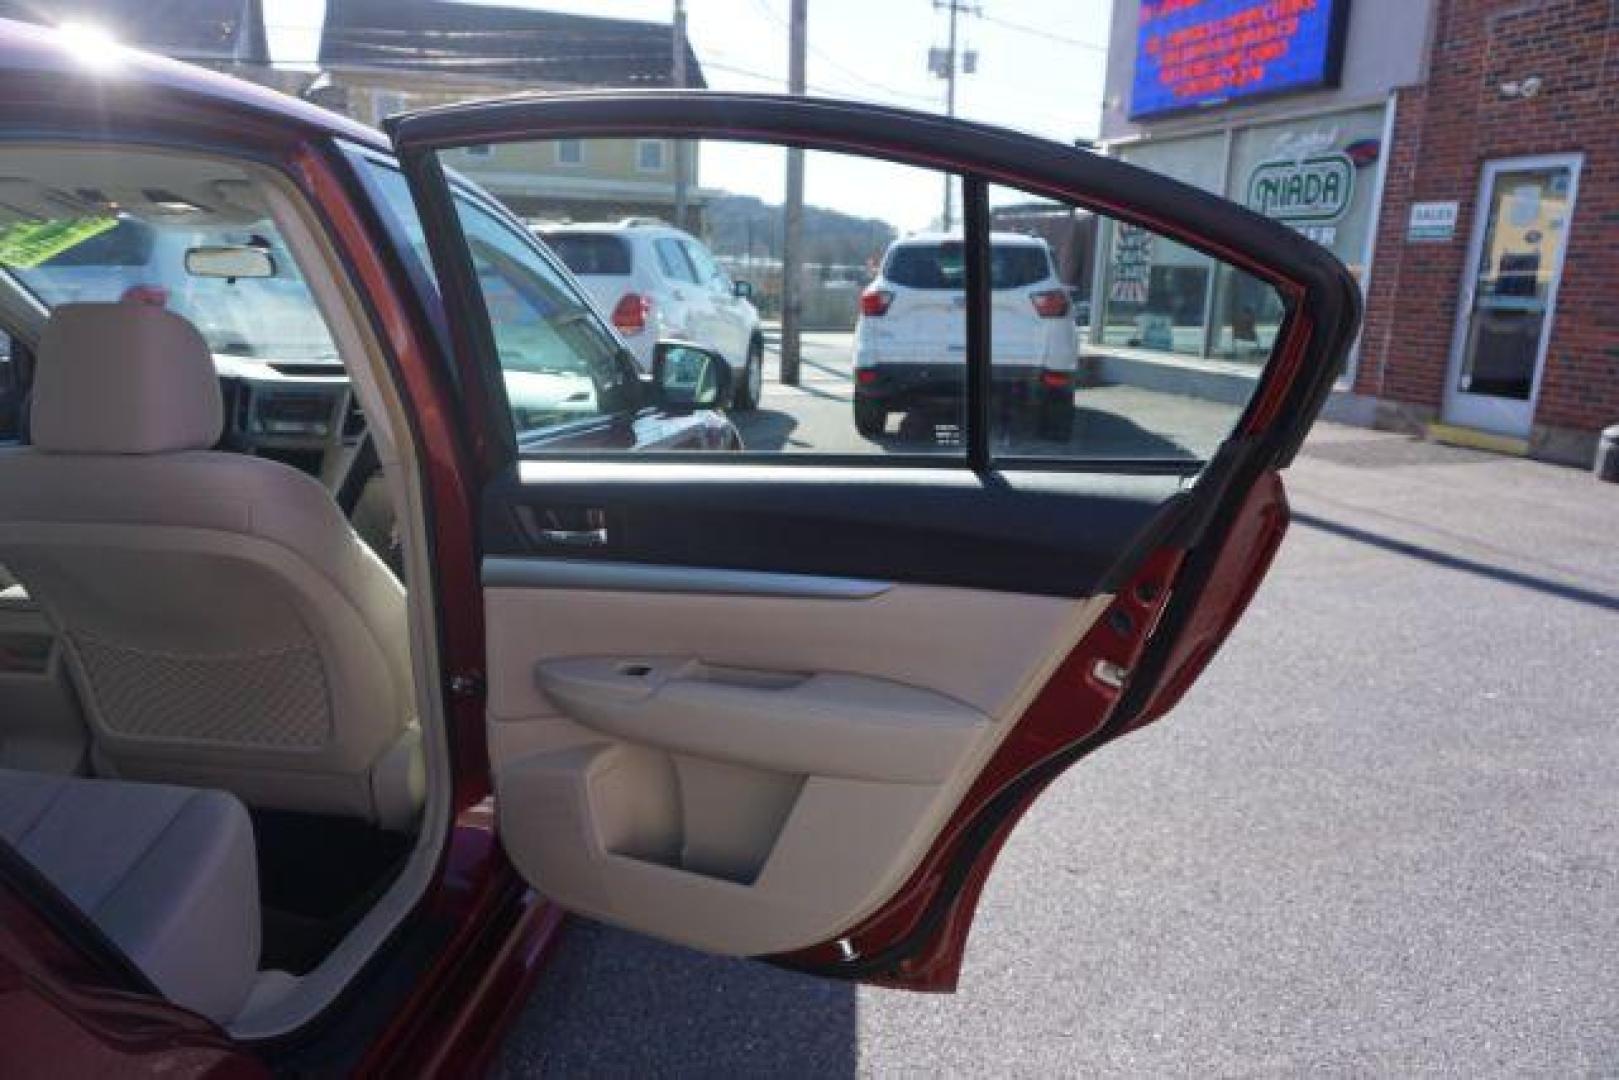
[[745, 398], [870, 419]]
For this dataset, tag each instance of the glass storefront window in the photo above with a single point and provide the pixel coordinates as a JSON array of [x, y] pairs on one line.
[[1247, 314], [1316, 174], [1155, 292]]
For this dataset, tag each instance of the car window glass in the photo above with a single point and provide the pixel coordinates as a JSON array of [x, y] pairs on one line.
[[672, 258], [881, 371], [396, 198], [935, 265], [1111, 342], [941, 265], [700, 261], [591, 253], [137, 251], [559, 363]]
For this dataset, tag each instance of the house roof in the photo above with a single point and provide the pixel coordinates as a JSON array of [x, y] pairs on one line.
[[196, 30], [519, 45]]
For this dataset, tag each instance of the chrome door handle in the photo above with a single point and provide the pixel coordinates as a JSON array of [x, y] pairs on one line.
[[564, 526], [575, 537]]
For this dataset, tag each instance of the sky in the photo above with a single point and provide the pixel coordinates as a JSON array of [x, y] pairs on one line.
[[1040, 69]]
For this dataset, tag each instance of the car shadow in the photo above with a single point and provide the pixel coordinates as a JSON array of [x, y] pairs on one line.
[[1096, 434], [1100, 433], [616, 1004], [840, 371], [766, 431]]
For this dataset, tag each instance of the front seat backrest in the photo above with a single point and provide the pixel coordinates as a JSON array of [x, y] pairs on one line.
[[224, 625]]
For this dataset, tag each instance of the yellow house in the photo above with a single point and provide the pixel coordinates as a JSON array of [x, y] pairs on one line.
[[382, 57]]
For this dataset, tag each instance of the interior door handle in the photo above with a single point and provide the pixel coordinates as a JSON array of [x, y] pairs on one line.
[[575, 537], [569, 527]]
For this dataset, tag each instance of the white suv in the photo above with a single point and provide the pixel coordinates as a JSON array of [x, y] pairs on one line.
[[910, 343], [656, 282]]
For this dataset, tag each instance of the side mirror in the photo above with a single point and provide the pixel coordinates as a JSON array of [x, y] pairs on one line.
[[686, 378], [742, 289], [230, 261]]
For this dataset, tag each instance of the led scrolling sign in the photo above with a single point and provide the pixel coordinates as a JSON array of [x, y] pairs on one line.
[[1192, 54]]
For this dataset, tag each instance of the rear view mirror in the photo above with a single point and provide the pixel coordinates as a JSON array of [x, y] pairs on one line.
[[689, 377], [230, 261]]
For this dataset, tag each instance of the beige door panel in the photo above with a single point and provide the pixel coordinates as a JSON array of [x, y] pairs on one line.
[[820, 724], [976, 647], [747, 773]]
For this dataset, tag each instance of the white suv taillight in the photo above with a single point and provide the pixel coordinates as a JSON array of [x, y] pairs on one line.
[[875, 301], [632, 313], [1050, 304]]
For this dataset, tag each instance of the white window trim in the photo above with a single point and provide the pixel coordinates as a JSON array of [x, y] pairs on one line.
[[1488, 171]]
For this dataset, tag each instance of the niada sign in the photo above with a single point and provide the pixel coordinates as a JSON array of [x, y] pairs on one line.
[[1316, 188]]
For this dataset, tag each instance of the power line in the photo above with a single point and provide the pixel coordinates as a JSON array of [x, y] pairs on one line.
[[769, 13], [1041, 32], [819, 88]]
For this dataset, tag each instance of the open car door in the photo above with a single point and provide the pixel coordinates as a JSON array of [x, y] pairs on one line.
[[790, 705]]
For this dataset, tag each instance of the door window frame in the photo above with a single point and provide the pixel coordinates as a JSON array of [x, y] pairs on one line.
[[1466, 295]]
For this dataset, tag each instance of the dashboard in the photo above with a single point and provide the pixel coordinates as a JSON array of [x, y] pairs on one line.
[[303, 414]]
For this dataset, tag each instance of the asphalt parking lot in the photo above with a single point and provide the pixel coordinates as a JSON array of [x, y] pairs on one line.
[[816, 416], [1377, 838]]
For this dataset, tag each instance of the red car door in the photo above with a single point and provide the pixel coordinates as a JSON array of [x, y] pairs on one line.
[[791, 707]]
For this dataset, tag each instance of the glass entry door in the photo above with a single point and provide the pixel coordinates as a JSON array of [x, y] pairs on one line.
[[1514, 265]]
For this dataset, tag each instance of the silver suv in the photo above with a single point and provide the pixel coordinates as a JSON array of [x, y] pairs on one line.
[[657, 282]]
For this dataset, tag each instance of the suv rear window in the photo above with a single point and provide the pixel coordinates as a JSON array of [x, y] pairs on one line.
[[939, 266], [591, 253]]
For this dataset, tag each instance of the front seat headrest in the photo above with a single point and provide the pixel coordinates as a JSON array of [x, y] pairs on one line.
[[123, 378]]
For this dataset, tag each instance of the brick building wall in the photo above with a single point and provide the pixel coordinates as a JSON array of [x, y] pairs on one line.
[[1444, 133]]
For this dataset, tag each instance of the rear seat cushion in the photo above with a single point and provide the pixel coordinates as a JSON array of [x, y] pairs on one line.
[[167, 873]]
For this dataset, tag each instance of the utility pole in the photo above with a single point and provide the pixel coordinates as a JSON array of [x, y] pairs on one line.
[[792, 246], [946, 65], [680, 83]]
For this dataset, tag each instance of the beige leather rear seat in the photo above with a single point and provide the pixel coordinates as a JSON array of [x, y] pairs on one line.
[[168, 873]]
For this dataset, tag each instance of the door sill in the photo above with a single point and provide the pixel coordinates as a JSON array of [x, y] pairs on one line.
[[1474, 439]]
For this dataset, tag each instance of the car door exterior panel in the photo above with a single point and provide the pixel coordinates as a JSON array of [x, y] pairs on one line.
[[875, 666]]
